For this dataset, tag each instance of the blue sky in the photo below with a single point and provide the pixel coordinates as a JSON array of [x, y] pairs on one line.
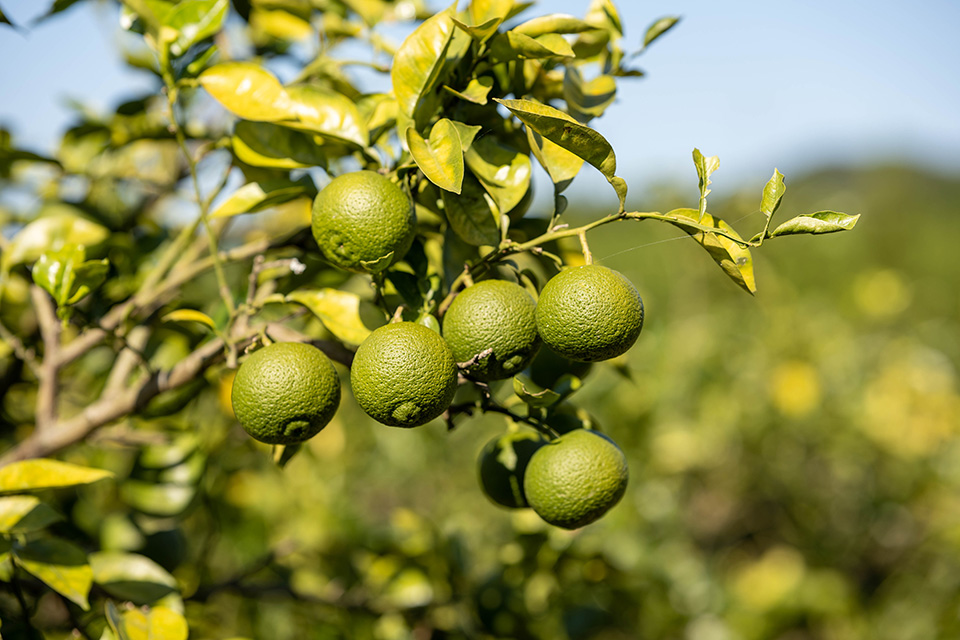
[[786, 84]]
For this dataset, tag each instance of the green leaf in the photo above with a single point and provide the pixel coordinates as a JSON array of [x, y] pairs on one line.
[[586, 100], [511, 45], [440, 157], [418, 61], [161, 500], [816, 223], [130, 576], [158, 623], [24, 514], [247, 90], [659, 28], [190, 315], [42, 473], [344, 314], [502, 170], [561, 165], [734, 259], [50, 234], [67, 277], [476, 91], [706, 165], [257, 196], [262, 144], [479, 32], [472, 215], [60, 565], [553, 23], [563, 130], [5, 20], [538, 397], [484, 10], [772, 194], [467, 133], [193, 21], [327, 113]]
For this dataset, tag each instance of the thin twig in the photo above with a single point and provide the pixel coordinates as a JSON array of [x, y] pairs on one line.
[[50, 334], [127, 360], [27, 356]]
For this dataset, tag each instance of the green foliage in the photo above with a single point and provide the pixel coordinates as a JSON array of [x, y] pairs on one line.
[[170, 236]]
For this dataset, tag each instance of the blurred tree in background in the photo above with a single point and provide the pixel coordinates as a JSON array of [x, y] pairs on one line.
[[793, 456]]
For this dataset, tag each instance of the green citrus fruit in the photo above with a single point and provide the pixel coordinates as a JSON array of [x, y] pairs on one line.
[[503, 463], [285, 393], [404, 375], [575, 479], [549, 366], [363, 222], [589, 313], [493, 315]]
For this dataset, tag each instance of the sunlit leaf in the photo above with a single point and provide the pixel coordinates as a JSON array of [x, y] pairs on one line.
[[467, 134], [511, 44], [379, 112], [706, 165], [503, 171], [190, 315], [60, 565], [479, 32], [42, 473], [193, 21], [440, 156], [484, 10], [659, 28], [418, 61], [561, 165], [536, 396], [816, 223], [50, 234], [67, 277], [472, 214], [263, 144], [130, 576], [563, 130], [328, 113], [734, 259], [772, 194], [247, 90], [476, 90], [589, 99], [23, 514], [553, 23], [280, 24], [343, 313], [151, 624], [161, 500], [257, 196]]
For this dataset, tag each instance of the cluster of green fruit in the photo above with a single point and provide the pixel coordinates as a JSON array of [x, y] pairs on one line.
[[406, 374]]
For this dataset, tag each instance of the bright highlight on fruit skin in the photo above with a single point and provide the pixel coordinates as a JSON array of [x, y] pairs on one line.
[[285, 393], [404, 375], [589, 313], [494, 315]]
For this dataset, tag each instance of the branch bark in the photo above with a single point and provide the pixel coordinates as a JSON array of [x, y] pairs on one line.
[[50, 333]]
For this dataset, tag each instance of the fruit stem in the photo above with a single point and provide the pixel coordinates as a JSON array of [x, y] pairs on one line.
[[587, 255]]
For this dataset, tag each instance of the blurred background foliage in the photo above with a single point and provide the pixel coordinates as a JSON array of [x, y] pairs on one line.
[[794, 464]]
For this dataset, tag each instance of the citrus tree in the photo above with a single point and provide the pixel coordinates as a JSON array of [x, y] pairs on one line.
[[228, 249]]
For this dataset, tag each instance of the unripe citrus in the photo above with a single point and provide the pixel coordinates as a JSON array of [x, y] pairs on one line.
[[404, 375], [549, 366], [589, 313], [575, 479], [285, 393], [502, 466], [497, 315], [363, 222]]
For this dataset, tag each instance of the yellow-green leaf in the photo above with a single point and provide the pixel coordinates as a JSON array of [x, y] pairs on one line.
[[59, 564], [772, 194], [511, 44], [502, 170], [467, 133], [472, 214], [553, 23], [419, 59], [42, 473], [659, 28], [190, 315], [257, 196], [563, 130], [733, 258], [263, 144], [161, 500], [130, 576], [23, 514], [561, 165], [479, 32], [706, 165], [193, 21], [484, 10], [52, 233], [816, 223], [476, 90], [247, 90], [343, 313], [440, 157], [158, 623], [587, 99], [328, 113]]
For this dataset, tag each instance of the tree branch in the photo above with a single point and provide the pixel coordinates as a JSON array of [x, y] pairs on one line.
[[50, 333]]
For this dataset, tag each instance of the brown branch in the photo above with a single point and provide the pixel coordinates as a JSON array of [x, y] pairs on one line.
[[50, 334], [126, 362], [23, 353]]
